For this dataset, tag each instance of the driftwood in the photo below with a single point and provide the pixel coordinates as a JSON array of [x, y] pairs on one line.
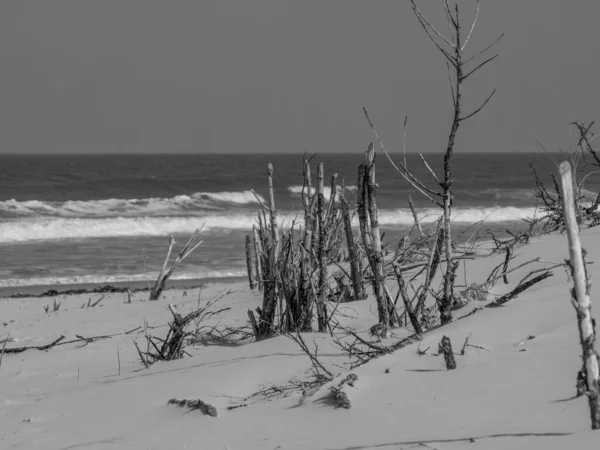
[[339, 394], [168, 269], [173, 345], [520, 288], [33, 347], [581, 297], [446, 349], [206, 409]]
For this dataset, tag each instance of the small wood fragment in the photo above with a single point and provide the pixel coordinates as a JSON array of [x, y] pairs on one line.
[[195, 404], [339, 393]]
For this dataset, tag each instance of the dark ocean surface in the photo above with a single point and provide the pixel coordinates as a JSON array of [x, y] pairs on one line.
[[106, 218]]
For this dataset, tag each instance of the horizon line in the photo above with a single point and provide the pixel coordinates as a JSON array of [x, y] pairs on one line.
[[265, 153]]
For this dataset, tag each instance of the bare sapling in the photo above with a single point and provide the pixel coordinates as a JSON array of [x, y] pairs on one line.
[[460, 68], [168, 269], [581, 297]]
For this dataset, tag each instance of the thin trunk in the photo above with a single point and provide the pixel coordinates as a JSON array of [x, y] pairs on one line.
[[581, 297], [273, 211], [432, 266], [249, 262], [258, 253], [267, 319], [407, 305], [362, 211], [332, 196], [414, 214], [445, 312], [377, 256], [359, 293], [323, 285]]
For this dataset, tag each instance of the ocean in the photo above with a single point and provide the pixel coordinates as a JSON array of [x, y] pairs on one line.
[[71, 219]]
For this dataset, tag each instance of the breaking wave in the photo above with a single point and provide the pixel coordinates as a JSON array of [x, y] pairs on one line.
[[179, 205], [297, 190], [24, 229]]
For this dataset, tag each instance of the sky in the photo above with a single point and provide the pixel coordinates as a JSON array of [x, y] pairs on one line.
[[239, 76]]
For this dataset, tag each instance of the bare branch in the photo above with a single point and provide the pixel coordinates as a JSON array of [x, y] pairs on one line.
[[435, 178], [405, 173], [484, 50], [480, 108], [259, 201], [479, 67], [427, 25], [472, 27], [449, 14]]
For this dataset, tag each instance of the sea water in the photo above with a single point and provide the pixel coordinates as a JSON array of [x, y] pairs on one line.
[[68, 219]]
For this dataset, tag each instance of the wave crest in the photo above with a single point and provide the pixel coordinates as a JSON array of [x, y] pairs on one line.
[[57, 228], [113, 207]]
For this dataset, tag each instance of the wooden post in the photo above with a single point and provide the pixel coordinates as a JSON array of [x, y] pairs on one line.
[[323, 283], [446, 349], [251, 281], [377, 256], [258, 253], [359, 293], [581, 296]]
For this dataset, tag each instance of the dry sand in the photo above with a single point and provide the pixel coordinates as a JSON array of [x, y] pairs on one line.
[[514, 392]]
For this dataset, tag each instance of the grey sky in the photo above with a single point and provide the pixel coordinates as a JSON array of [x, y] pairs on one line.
[[283, 76]]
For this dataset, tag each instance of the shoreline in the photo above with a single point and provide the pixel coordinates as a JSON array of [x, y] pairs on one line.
[[89, 288]]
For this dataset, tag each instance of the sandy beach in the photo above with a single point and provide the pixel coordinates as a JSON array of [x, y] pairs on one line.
[[513, 388]]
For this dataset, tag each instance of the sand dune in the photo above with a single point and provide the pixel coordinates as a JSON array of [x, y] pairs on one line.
[[514, 392]]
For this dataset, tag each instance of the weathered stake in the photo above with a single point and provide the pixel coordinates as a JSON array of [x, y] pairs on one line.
[[446, 349], [580, 296]]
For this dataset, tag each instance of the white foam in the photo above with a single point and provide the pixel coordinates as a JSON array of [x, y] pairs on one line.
[[57, 228], [112, 207], [297, 190]]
